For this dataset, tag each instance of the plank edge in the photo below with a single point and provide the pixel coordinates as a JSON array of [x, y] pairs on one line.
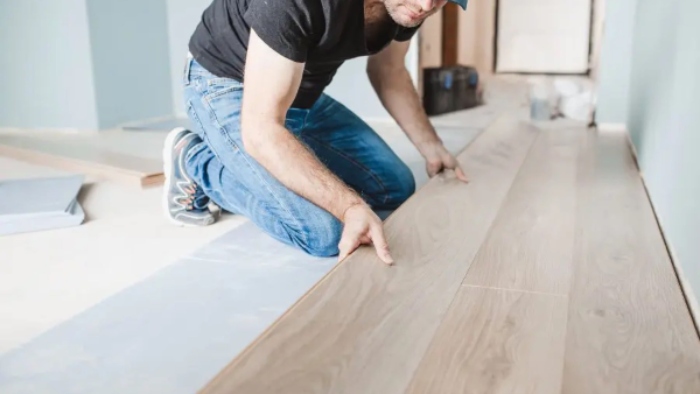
[[66, 163]]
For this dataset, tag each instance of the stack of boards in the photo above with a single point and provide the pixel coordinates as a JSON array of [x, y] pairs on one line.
[[38, 204]]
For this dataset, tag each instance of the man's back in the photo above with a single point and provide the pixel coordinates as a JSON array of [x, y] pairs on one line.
[[321, 33]]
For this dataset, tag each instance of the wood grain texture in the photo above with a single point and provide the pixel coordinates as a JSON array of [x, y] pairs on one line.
[[530, 245], [85, 158], [629, 330], [365, 327], [496, 341]]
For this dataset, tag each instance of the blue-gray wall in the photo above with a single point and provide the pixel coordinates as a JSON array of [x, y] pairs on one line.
[[46, 65], [662, 113], [664, 120], [96, 64], [616, 61], [130, 60], [183, 17], [83, 64]]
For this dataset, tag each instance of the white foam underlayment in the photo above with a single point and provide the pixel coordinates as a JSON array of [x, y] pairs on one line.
[[112, 306]]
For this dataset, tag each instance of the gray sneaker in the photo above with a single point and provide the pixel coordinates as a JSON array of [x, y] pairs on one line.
[[183, 202]]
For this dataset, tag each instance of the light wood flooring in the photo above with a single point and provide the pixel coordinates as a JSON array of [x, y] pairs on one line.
[[547, 273]]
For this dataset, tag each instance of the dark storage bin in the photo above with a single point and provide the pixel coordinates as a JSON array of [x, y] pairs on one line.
[[467, 88], [438, 90], [448, 89]]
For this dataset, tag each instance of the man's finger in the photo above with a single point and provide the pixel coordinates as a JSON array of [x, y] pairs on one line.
[[460, 174], [345, 248], [342, 254], [349, 241], [380, 244]]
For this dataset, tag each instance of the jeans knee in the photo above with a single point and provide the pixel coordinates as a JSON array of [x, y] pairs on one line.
[[408, 186], [321, 237], [403, 187]]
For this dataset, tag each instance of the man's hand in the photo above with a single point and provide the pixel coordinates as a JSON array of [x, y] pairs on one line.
[[438, 159], [363, 227], [392, 82]]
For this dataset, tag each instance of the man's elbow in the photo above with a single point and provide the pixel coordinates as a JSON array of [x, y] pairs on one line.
[[251, 136], [258, 134]]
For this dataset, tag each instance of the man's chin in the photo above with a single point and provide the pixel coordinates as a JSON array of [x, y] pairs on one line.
[[405, 21]]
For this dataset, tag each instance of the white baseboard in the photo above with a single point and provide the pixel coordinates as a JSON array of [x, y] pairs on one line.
[[688, 293], [612, 127]]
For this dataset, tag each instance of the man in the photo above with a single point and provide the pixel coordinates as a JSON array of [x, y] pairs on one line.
[[273, 147]]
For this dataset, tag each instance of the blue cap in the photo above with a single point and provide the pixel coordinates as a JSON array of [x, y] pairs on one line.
[[462, 3]]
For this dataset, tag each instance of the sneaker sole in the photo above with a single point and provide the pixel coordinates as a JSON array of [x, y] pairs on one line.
[[168, 170]]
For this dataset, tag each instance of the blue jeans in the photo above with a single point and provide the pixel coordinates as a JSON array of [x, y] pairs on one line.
[[237, 183]]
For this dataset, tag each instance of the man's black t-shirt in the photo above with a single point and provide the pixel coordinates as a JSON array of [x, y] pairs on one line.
[[321, 33]]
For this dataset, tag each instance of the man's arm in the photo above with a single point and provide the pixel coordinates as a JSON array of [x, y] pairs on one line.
[[388, 75], [271, 83]]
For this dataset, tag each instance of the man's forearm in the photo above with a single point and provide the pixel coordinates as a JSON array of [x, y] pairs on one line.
[[288, 160], [395, 90]]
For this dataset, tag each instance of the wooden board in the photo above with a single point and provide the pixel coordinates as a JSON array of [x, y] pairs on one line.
[[365, 327], [496, 341], [477, 36], [629, 330], [466, 31], [450, 33], [70, 155], [531, 243], [430, 36]]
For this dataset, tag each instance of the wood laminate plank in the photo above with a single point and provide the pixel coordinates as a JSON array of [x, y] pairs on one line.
[[530, 245], [629, 330], [365, 327], [496, 341], [72, 155]]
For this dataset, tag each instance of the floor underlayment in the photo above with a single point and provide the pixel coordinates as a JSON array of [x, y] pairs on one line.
[[48, 277]]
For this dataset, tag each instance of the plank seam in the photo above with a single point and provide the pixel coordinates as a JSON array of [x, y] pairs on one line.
[[505, 198], [517, 290], [454, 297]]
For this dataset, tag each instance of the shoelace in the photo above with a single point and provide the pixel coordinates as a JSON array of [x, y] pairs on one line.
[[189, 199]]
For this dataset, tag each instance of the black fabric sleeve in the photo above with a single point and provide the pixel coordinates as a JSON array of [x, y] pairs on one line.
[[290, 27], [407, 33]]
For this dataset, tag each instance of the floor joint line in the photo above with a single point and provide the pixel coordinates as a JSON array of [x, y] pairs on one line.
[[517, 290]]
